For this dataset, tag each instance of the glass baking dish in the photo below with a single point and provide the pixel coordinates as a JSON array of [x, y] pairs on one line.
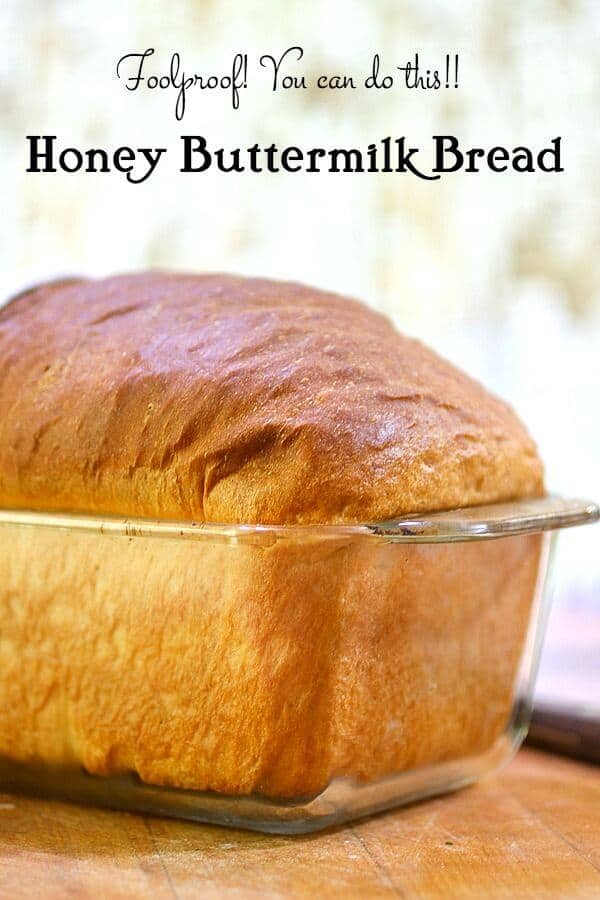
[[277, 678]]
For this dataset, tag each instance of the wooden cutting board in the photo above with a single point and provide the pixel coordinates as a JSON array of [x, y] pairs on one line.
[[531, 831]]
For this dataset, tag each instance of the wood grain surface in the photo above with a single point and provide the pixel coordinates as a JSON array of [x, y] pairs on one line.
[[531, 831]]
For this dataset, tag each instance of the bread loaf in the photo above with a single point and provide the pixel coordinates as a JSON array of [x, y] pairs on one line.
[[258, 664]]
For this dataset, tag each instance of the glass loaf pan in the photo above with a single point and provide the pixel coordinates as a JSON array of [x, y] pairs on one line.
[[278, 678]]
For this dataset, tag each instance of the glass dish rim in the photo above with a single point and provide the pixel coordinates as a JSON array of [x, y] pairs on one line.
[[489, 521]]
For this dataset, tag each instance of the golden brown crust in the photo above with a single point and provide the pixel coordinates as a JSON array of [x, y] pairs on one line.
[[239, 400], [245, 667]]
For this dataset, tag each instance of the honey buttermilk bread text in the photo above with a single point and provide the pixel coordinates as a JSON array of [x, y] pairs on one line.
[[267, 666]]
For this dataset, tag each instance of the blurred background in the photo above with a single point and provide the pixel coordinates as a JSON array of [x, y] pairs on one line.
[[500, 273]]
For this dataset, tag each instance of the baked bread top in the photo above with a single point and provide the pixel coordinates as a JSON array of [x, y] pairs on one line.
[[225, 399]]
